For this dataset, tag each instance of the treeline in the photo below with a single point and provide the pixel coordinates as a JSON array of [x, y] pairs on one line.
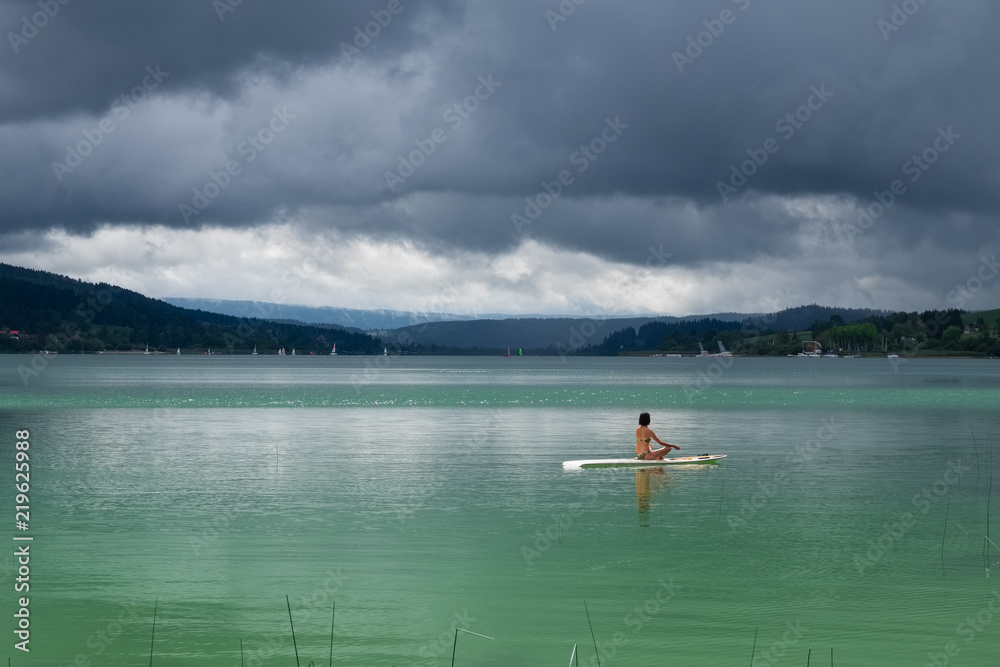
[[668, 338], [52, 312], [933, 331]]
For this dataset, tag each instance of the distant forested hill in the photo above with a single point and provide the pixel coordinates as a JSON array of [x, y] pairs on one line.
[[50, 311], [802, 317], [550, 334], [535, 334], [346, 317]]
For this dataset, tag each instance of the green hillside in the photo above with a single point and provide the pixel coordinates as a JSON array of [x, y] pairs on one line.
[[46, 311], [990, 317]]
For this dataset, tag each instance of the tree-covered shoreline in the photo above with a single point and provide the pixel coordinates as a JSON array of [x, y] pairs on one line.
[[931, 333], [41, 311]]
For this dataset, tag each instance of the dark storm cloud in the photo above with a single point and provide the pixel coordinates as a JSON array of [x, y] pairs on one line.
[[89, 52], [718, 111]]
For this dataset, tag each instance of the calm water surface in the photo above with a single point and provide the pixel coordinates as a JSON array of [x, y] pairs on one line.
[[425, 494]]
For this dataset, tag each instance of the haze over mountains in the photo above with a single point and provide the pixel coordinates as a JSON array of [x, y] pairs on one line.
[[500, 330], [368, 320], [46, 311]]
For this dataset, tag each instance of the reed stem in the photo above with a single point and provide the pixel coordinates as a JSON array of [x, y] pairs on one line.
[[989, 492], [455, 645], [293, 630], [153, 634], [753, 651], [976, 450], [332, 619], [945, 533], [592, 635], [722, 493]]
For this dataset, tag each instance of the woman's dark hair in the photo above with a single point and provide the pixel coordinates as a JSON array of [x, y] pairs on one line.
[[644, 419]]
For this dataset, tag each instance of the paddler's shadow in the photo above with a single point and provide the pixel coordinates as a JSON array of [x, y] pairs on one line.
[[648, 482]]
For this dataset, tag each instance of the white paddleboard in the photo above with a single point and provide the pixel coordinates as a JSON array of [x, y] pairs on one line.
[[642, 463]]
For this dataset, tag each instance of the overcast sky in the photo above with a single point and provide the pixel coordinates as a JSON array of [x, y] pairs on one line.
[[521, 156]]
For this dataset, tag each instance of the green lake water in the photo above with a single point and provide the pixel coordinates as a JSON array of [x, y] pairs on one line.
[[423, 494]]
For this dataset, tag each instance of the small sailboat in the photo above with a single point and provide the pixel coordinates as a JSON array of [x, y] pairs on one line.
[[508, 353], [254, 350], [147, 349], [178, 352], [385, 352], [293, 351], [520, 352], [334, 352], [281, 351]]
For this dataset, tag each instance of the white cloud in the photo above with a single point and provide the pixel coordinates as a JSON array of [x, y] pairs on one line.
[[284, 264]]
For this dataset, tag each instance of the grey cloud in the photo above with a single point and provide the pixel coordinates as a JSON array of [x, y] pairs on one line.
[[656, 183], [90, 52]]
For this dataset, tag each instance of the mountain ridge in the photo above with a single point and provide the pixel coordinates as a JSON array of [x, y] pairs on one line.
[[497, 331], [49, 311]]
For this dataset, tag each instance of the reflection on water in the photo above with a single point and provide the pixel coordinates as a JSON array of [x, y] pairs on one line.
[[648, 482], [223, 512]]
